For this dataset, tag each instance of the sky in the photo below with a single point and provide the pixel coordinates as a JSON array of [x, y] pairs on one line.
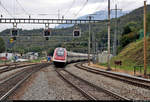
[[70, 9]]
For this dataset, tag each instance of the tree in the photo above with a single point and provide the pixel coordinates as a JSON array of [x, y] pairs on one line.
[[50, 51], [126, 30], [126, 39], [35, 49], [2, 45], [130, 27], [129, 34]]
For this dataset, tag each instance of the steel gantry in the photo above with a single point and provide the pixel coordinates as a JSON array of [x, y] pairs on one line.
[[46, 21]]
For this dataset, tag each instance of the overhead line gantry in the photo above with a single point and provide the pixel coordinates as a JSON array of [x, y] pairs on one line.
[[46, 21]]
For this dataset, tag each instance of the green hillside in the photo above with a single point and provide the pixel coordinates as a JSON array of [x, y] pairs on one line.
[[133, 55], [132, 46]]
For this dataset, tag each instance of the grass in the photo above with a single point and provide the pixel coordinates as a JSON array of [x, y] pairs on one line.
[[132, 55], [36, 60], [30, 61], [3, 62]]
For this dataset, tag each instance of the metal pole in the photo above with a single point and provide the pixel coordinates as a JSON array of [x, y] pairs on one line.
[[116, 31], [96, 51], [89, 46], [93, 46], [115, 35], [145, 47], [108, 57]]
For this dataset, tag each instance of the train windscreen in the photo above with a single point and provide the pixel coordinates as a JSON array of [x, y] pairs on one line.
[[60, 52]]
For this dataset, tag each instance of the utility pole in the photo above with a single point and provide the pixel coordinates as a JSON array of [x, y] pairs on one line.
[[116, 27], [89, 46], [108, 56], [145, 47]]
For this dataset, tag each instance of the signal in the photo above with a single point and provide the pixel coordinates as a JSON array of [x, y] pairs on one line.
[[47, 34], [76, 32], [11, 40], [14, 33]]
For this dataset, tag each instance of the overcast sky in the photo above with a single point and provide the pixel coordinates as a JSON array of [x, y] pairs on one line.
[[51, 8]]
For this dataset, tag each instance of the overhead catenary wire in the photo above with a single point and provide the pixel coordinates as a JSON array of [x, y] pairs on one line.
[[68, 10], [22, 7], [40, 14], [81, 8], [100, 4], [101, 11], [5, 9]]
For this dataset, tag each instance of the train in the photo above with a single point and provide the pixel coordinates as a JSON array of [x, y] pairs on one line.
[[61, 57]]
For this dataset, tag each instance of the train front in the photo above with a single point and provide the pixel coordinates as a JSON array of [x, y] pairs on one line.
[[60, 57]]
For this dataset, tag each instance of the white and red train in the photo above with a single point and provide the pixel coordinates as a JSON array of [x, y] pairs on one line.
[[61, 56]]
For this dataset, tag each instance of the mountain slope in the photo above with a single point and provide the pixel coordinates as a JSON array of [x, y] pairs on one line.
[[133, 54], [99, 15]]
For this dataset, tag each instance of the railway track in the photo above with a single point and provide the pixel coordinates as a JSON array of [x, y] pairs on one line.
[[143, 83], [89, 90], [12, 67], [10, 64], [10, 84]]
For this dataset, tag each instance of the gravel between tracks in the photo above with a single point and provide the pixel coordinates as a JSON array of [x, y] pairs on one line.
[[129, 91], [47, 86]]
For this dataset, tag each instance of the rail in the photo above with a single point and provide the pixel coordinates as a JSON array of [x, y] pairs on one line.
[[140, 82], [9, 85], [91, 86]]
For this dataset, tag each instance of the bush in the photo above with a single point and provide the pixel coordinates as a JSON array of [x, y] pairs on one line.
[[126, 39]]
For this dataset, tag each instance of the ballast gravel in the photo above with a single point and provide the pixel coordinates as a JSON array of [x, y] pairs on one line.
[[47, 85], [121, 88]]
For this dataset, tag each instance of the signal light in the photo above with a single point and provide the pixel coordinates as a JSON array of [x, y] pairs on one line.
[[47, 33], [14, 32], [76, 33], [11, 40]]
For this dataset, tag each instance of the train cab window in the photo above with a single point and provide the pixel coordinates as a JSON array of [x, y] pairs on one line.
[[60, 52]]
